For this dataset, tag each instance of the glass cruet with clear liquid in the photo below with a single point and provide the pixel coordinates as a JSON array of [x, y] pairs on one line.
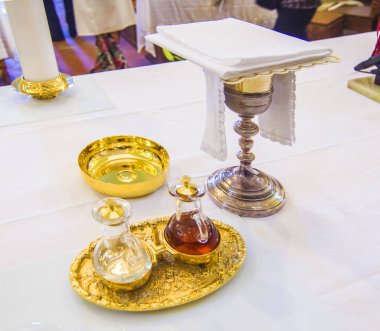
[[119, 256], [189, 231]]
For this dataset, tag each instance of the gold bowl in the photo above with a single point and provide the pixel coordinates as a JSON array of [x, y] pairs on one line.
[[124, 166]]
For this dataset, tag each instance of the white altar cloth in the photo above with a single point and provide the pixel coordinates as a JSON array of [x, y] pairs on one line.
[[312, 266], [86, 96], [151, 13]]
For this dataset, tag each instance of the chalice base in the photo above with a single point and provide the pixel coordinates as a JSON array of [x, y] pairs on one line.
[[250, 193]]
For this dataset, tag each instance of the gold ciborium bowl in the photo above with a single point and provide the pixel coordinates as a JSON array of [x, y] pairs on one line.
[[124, 166]]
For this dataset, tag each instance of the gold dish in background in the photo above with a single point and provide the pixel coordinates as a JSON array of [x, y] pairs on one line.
[[365, 86], [43, 90], [124, 166], [172, 282]]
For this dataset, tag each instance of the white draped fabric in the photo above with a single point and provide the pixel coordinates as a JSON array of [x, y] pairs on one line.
[[151, 13], [7, 46], [313, 266], [95, 17], [231, 48]]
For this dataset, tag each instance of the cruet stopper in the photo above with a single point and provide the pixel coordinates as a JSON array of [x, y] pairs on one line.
[[119, 257], [190, 235]]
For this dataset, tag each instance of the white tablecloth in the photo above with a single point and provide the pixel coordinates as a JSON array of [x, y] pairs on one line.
[[151, 13], [312, 266]]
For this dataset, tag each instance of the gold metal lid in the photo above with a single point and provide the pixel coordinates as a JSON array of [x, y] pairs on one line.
[[187, 190], [112, 211]]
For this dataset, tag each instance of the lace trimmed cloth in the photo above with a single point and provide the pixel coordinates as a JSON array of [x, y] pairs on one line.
[[230, 48], [276, 124]]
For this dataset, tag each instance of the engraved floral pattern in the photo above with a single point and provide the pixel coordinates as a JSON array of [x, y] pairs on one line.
[[172, 282]]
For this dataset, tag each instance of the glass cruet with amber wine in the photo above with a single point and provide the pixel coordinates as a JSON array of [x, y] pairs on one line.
[[119, 257], [190, 235]]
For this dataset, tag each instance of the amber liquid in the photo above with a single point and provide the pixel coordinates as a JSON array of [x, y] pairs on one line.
[[183, 235]]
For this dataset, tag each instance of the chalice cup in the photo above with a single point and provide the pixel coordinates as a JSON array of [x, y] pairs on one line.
[[242, 189]]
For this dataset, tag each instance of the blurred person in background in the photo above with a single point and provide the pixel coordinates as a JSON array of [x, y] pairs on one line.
[[376, 51], [105, 19], [53, 20], [293, 15]]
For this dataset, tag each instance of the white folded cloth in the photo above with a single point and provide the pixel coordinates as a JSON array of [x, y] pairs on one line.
[[231, 48]]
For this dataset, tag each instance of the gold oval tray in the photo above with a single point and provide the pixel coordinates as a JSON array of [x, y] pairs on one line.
[[172, 282]]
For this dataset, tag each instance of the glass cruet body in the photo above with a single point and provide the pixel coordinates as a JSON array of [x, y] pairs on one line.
[[189, 230], [119, 256]]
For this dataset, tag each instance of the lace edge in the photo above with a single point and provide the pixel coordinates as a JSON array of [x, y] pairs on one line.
[[217, 147], [292, 106]]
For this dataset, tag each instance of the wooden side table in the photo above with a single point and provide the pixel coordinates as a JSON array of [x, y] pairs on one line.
[[326, 24], [358, 19]]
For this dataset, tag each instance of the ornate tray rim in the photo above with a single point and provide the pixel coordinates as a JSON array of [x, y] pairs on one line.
[[208, 289]]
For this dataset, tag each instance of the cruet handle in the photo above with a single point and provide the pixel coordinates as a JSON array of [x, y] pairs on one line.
[[200, 220]]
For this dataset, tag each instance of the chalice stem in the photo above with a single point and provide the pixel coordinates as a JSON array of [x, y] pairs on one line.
[[242, 189], [246, 128]]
